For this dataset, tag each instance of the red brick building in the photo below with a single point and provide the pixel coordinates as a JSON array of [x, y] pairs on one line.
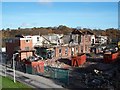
[[77, 42], [86, 41], [22, 45]]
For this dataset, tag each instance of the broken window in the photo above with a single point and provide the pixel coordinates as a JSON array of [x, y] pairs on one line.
[[60, 52], [76, 50], [27, 48], [81, 49], [38, 39], [66, 51]]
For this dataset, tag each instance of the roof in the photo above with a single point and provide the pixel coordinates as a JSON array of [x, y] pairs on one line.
[[76, 31], [87, 32]]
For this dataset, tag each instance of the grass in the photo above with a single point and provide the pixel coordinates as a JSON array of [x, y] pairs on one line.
[[8, 83]]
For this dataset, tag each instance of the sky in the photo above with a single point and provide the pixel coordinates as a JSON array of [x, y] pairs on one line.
[[99, 15]]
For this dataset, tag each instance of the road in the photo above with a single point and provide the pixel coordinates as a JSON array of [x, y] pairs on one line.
[[35, 81]]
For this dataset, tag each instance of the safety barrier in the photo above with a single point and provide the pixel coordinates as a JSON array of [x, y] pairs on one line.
[[59, 74]]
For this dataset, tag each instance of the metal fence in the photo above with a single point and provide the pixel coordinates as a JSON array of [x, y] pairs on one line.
[[59, 74]]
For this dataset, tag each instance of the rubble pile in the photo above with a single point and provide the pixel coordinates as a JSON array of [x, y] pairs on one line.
[[56, 64], [96, 78]]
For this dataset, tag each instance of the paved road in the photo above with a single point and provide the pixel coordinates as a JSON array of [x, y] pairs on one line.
[[34, 81]]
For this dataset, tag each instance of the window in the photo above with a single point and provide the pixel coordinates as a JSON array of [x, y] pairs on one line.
[[66, 51], [27, 48], [89, 38], [79, 39], [92, 41], [60, 52], [53, 53], [38, 39], [76, 50], [81, 49], [72, 51], [27, 41], [11, 41]]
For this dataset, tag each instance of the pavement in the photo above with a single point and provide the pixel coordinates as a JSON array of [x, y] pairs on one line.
[[34, 81]]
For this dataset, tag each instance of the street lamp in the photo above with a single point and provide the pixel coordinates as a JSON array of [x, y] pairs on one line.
[[14, 65]]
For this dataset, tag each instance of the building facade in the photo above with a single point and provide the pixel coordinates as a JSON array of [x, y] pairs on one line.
[[58, 46], [21, 45], [101, 39]]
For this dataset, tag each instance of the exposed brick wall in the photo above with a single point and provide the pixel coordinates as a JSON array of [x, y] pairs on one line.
[[86, 43], [24, 44], [11, 47], [69, 51], [16, 44]]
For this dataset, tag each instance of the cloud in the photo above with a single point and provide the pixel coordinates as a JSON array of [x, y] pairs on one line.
[[25, 25]]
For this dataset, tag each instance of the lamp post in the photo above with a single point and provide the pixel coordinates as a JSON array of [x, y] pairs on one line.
[[14, 66]]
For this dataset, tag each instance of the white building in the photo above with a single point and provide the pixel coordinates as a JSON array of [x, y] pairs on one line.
[[37, 40], [54, 38], [40, 40], [101, 39]]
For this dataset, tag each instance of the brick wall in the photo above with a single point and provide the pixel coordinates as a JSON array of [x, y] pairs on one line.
[[67, 51], [15, 44], [11, 46], [24, 45]]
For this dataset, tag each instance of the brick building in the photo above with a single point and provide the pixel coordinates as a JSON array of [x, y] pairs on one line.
[[74, 43], [20, 44]]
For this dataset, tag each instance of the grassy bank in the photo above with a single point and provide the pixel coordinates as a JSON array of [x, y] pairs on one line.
[[8, 83]]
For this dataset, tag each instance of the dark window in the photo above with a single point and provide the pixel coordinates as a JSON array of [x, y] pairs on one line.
[[76, 50], [60, 52], [38, 39], [27, 41], [92, 41], [27, 48], [72, 51], [66, 51], [81, 49]]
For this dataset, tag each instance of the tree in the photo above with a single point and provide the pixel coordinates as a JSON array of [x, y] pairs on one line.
[[19, 28], [8, 29]]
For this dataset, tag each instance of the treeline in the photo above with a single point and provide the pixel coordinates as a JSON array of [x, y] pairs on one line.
[[35, 31], [111, 32]]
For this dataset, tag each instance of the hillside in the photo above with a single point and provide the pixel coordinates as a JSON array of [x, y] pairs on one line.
[[111, 32]]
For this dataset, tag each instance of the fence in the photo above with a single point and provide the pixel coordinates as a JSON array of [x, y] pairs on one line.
[[59, 74]]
